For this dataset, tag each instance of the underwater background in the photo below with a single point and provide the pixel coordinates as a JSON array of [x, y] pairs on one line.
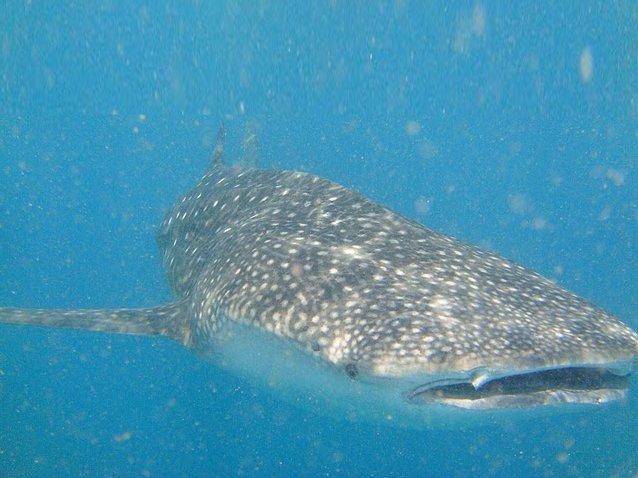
[[509, 125]]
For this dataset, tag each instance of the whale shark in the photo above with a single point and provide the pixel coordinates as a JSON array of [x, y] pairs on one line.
[[292, 279]]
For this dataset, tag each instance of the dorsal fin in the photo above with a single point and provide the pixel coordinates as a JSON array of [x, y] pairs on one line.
[[249, 148], [218, 153]]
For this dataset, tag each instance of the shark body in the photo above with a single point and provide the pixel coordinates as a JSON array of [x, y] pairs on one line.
[[289, 277]]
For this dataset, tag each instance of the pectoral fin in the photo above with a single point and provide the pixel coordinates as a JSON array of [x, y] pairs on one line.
[[170, 320]]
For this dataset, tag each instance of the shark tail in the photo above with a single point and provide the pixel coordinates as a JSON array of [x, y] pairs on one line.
[[170, 320]]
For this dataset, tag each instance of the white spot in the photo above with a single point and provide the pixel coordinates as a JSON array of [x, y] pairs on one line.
[[337, 347], [439, 302], [350, 252]]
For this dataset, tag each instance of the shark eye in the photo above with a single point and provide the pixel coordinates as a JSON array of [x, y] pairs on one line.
[[351, 370]]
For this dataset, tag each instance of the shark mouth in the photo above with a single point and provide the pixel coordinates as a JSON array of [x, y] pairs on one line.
[[576, 385]]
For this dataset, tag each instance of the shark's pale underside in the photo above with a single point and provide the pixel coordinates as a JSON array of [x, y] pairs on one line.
[[290, 277]]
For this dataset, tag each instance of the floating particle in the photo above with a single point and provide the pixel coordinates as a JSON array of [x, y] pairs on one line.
[[538, 223], [615, 176], [122, 437], [422, 205], [412, 128], [519, 204], [427, 149], [586, 65]]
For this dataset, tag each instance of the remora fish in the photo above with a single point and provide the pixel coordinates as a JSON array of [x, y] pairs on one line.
[[290, 277]]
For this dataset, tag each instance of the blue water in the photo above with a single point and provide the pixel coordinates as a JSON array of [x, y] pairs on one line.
[[514, 127]]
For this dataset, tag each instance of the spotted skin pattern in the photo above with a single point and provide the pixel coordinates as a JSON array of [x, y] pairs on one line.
[[358, 285]]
